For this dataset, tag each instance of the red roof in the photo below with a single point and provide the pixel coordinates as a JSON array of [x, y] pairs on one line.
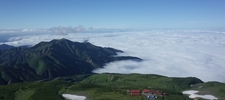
[[135, 91], [147, 91], [135, 94], [158, 93]]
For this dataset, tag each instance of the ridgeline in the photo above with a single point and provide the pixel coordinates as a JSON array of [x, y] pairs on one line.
[[48, 60]]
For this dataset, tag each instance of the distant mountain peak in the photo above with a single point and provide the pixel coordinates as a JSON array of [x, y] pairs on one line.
[[5, 46], [43, 45], [61, 40], [59, 57]]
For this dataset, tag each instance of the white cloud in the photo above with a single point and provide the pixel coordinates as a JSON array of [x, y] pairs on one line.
[[11, 30], [65, 30], [173, 53]]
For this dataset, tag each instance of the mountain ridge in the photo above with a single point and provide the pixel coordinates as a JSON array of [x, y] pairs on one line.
[[5, 46], [59, 57]]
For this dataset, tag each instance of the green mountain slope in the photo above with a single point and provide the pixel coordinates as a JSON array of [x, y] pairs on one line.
[[21, 74], [142, 80], [114, 86], [33, 91], [55, 58], [108, 87]]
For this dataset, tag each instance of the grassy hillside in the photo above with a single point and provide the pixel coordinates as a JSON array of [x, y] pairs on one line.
[[142, 80], [39, 90], [95, 87], [114, 86], [33, 91], [108, 87]]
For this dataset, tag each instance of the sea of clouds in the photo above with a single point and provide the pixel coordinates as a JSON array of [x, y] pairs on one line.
[[174, 53]]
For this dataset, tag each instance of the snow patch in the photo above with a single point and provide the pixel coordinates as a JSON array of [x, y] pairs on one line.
[[73, 97], [192, 94]]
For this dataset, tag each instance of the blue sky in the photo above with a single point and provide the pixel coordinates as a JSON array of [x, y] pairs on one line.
[[140, 14]]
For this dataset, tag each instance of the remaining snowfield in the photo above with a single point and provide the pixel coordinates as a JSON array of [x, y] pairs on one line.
[[192, 94], [73, 97]]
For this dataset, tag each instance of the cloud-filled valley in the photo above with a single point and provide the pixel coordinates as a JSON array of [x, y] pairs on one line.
[[171, 53]]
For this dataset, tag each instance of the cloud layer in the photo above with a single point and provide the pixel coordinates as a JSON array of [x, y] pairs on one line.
[[65, 30], [172, 53]]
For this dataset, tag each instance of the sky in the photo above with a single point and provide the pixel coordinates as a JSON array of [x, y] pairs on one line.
[[139, 14], [176, 38]]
